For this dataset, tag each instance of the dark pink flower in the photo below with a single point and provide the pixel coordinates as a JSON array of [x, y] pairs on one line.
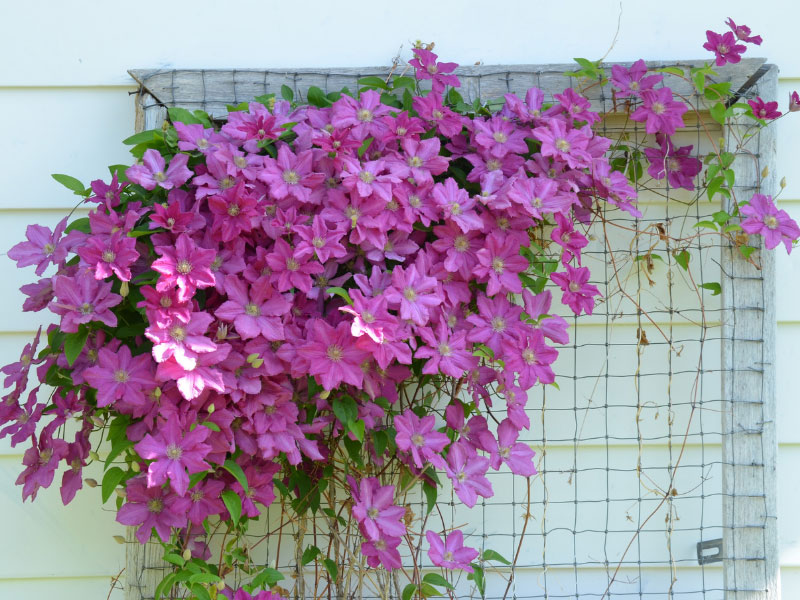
[[794, 102], [499, 137], [450, 554], [467, 471], [677, 164], [332, 355], [578, 292], [185, 265], [743, 32], [235, 212], [81, 299], [149, 507], [632, 81], [183, 340], [118, 375], [530, 358], [151, 172], [659, 112], [569, 145], [374, 509], [253, 125], [254, 310], [382, 553], [499, 264], [110, 255], [497, 319], [363, 115], [724, 46], [517, 455], [40, 461], [44, 247], [764, 110], [291, 174], [426, 67], [292, 267], [414, 294], [446, 351], [417, 436]]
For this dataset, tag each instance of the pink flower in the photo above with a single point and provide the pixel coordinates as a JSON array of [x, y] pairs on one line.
[[446, 351], [431, 108], [794, 102], [185, 265], [422, 160], [499, 137], [417, 436], [677, 164], [576, 106], [40, 461], [764, 110], [467, 471], [564, 235], [206, 502], [725, 48], [82, 299], [150, 507], [530, 357], [578, 292], [659, 112], [292, 267], [192, 382], [569, 145], [517, 455], [374, 509], [183, 340], [320, 240], [254, 310], [383, 553], [743, 32], [42, 248], [332, 355], [118, 375], [526, 111], [291, 175], [457, 205], [632, 81], [174, 452], [426, 67], [537, 307], [107, 194], [450, 554], [496, 320], [234, 212], [253, 126], [460, 248], [499, 264], [151, 173], [414, 294], [764, 218], [110, 255], [363, 116]]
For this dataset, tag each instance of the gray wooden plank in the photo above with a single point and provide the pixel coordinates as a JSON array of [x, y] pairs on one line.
[[750, 547]]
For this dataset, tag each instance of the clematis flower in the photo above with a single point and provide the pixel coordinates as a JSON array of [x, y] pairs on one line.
[[108, 256], [794, 102], [659, 112], [363, 116], [562, 143], [518, 456], [292, 267], [382, 553], [495, 321], [445, 350], [152, 507], [374, 509], [414, 294], [677, 164], [185, 265], [426, 67], [417, 436], [40, 461], [151, 172], [724, 47], [44, 247], [450, 553], [578, 292], [119, 375], [183, 340], [82, 299], [743, 32], [254, 310], [530, 358], [291, 175], [174, 452], [332, 355], [764, 218], [467, 471], [764, 110], [632, 81]]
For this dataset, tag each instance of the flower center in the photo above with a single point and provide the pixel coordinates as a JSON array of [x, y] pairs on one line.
[[48, 249], [334, 352], [45, 456], [366, 177], [240, 161], [771, 222], [565, 238], [121, 376], [86, 308], [574, 287], [414, 161], [364, 115], [461, 477], [498, 324], [448, 556], [170, 223], [500, 137], [722, 49], [292, 264], [658, 108], [291, 177], [634, 85], [202, 143], [109, 256], [437, 114], [367, 317], [414, 201], [318, 242], [498, 265], [673, 164], [226, 182], [160, 176], [155, 505], [444, 349], [234, 210], [562, 145], [402, 131], [492, 164], [173, 452], [433, 69], [197, 495], [184, 267], [252, 310], [455, 209], [461, 243], [373, 513], [410, 294], [418, 440], [529, 356], [177, 333], [380, 545]]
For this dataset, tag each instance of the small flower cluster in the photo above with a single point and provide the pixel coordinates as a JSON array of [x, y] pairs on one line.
[[246, 300]]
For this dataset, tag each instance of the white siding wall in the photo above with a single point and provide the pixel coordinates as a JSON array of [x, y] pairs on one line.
[[64, 97]]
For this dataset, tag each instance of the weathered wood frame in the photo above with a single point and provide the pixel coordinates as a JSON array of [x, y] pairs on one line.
[[750, 549]]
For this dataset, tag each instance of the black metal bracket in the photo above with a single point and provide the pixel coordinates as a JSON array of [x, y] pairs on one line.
[[703, 557]]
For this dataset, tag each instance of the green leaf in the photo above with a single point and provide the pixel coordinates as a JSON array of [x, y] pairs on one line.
[[721, 217], [164, 586], [436, 579], [212, 427], [426, 590], [357, 428], [404, 82], [309, 554], [732, 227], [477, 577], [234, 469], [714, 187], [317, 97], [111, 480], [380, 440], [672, 71], [175, 559], [717, 112], [345, 409], [143, 137], [74, 343], [234, 505], [373, 82], [682, 258], [364, 145], [200, 592], [204, 578], [341, 292], [70, 183], [495, 556], [331, 567], [117, 448], [713, 287], [287, 93], [431, 492], [706, 224], [730, 177], [242, 106], [408, 591], [181, 115], [267, 577]]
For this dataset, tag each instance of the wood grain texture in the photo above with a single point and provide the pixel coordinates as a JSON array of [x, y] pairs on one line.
[[750, 546]]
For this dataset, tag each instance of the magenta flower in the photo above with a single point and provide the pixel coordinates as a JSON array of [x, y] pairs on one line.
[[318, 239], [457, 205], [632, 81], [81, 299], [174, 452], [332, 355], [569, 145], [499, 137], [151, 172], [422, 160], [764, 110], [426, 67], [40, 461], [446, 351], [743, 32], [565, 235], [183, 340], [363, 116], [235, 211], [497, 319], [432, 109], [42, 248], [417, 436], [118, 375], [677, 164], [460, 248], [725, 48], [196, 137], [518, 456], [530, 358], [450, 553], [374, 509], [794, 102], [382, 553], [107, 194], [659, 112], [110, 255], [525, 111], [254, 310], [292, 267], [414, 294], [764, 218], [537, 307], [576, 106], [192, 382], [291, 175], [499, 264], [578, 292], [467, 471], [242, 594], [149, 507], [185, 265]]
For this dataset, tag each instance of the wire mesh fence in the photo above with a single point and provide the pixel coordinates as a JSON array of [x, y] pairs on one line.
[[655, 451]]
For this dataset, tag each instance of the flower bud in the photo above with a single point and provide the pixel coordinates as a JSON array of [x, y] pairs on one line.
[[324, 394], [211, 409], [764, 172], [220, 585], [187, 554], [124, 289], [119, 539], [783, 182], [94, 455], [135, 467], [92, 483], [121, 492]]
